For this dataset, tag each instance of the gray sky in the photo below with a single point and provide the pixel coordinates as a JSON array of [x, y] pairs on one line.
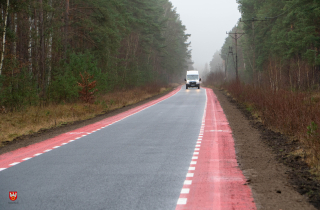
[[207, 21]]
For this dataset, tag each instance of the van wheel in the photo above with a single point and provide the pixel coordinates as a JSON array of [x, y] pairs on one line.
[[186, 86], [198, 86]]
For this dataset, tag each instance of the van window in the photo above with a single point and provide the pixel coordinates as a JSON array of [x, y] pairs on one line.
[[192, 77]]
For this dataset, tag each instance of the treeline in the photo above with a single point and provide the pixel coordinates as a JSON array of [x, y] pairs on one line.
[[280, 45], [46, 44], [278, 68]]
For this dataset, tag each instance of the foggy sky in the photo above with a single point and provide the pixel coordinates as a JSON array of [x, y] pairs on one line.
[[207, 21]]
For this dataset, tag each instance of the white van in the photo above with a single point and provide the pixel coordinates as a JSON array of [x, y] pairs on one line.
[[192, 79]]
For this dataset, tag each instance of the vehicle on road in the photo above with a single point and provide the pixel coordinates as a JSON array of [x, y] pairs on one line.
[[192, 79]]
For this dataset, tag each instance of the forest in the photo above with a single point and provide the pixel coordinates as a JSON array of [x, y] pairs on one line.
[[278, 45], [277, 49], [52, 49]]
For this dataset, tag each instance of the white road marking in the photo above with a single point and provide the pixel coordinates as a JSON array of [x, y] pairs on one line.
[[189, 174], [47, 150], [192, 168], [28, 158], [15, 163], [185, 191], [187, 182], [193, 163], [198, 145], [197, 149], [218, 131], [182, 201], [37, 154], [196, 153], [73, 133], [56, 147], [194, 157], [1, 169]]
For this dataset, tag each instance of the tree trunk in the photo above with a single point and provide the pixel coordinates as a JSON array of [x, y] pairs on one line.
[[66, 17], [15, 32], [4, 36], [30, 44], [42, 52], [49, 55]]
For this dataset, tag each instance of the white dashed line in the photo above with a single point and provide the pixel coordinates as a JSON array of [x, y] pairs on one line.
[[47, 150], [56, 147], [187, 182], [198, 145], [194, 157], [219, 131], [28, 158], [37, 154], [13, 164], [182, 201], [197, 149], [185, 191], [196, 153], [192, 168], [193, 163], [64, 143], [1, 169], [189, 174], [71, 140]]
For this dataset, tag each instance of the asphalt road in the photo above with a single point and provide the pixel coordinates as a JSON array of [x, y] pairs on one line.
[[139, 162]]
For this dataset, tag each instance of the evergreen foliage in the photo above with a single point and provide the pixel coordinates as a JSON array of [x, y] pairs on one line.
[[280, 47], [122, 43]]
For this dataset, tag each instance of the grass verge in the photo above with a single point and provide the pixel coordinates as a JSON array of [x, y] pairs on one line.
[[32, 119], [296, 114]]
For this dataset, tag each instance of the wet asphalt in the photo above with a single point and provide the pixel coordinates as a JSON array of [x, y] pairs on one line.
[[138, 163]]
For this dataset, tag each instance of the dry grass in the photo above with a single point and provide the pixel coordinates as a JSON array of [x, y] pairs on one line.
[[214, 79], [296, 114], [32, 119]]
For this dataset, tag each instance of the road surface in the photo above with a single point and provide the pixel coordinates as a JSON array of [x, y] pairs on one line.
[[173, 153]]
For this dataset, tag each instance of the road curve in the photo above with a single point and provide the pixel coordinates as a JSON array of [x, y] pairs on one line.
[[141, 159]]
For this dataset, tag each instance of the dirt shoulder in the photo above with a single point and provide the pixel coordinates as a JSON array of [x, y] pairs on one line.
[[275, 177], [44, 134]]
